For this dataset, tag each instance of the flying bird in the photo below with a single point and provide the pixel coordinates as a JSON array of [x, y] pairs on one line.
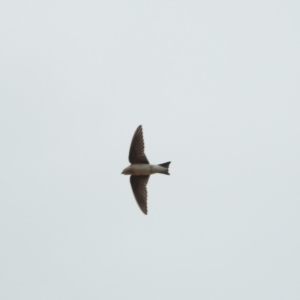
[[140, 169]]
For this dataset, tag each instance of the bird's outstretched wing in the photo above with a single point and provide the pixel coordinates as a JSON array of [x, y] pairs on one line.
[[139, 188], [136, 152]]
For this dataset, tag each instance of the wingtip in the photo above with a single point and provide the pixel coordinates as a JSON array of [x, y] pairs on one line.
[[144, 211]]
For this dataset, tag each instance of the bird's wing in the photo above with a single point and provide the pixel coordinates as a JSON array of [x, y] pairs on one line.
[[136, 152], [139, 188]]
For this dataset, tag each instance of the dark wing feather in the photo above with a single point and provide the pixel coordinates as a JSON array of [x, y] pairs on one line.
[[139, 188], [136, 153]]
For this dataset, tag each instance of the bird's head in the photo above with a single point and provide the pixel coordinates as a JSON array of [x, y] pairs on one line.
[[126, 171]]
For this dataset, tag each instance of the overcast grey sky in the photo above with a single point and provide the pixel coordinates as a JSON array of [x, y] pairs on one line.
[[215, 85]]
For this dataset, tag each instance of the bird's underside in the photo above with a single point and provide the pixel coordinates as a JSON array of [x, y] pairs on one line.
[[140, 169]]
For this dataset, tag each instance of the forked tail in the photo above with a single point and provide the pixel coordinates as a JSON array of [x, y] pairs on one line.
[[166, 165]]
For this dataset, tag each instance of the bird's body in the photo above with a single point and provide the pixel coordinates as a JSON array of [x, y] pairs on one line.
[[140, 169], [145, 169]]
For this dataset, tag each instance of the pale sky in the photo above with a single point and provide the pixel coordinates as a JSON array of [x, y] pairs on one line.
[[215, 85]]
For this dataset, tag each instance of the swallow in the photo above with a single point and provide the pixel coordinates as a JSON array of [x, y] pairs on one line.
[[140, 169]]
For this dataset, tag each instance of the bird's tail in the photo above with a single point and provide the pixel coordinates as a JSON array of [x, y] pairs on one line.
[[166, 165]]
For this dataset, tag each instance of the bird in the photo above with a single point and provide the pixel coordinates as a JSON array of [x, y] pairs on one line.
[[140, 169]]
